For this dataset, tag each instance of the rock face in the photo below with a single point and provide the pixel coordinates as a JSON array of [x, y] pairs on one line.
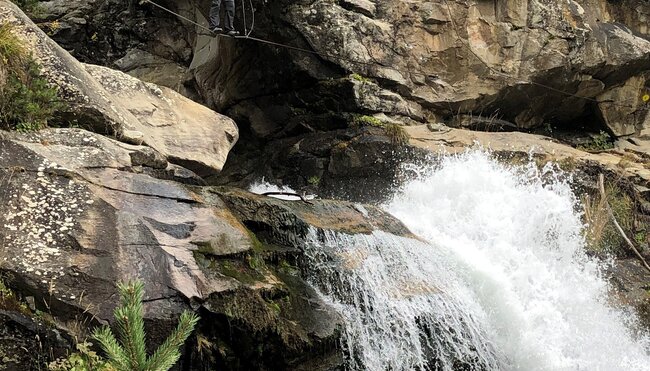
[[112, 102], [81, 212], [525, 65]]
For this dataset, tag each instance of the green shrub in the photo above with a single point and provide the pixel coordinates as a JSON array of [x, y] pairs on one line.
[[397, 134], [27, 101], [129, 354]]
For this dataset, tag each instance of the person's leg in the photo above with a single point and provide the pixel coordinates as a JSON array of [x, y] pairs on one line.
[[215, 19], [230, 15]]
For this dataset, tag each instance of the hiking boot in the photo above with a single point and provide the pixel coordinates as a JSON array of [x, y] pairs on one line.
[[232, 33], [217, 29]]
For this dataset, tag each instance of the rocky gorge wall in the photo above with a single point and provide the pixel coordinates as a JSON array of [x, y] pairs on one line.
[[541, 66]]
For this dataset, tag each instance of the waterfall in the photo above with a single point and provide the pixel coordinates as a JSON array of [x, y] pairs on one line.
[[402, 305], [501, 283], [515, 236]]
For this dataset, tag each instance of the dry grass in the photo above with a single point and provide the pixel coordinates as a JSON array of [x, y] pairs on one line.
[[596, 219], [397, 134], [601, 234], [12, 52]]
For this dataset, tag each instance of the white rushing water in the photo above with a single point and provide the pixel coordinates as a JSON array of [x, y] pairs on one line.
[[402, 304], [518, 244], [503, 283]]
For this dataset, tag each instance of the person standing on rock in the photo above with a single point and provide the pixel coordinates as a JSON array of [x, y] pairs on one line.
[[215, 17]]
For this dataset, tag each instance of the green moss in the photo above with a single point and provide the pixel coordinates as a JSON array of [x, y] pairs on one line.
[[243, 273], [365, 120], [357, 77], [287, 268], [247, 269], [314, 180], [256, 244]]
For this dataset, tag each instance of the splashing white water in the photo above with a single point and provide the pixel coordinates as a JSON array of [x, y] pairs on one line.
[[504, 285], [402, 305], [519, 248]]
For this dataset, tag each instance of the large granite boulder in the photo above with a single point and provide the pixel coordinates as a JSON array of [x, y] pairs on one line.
[[112, 102], [81, 212]]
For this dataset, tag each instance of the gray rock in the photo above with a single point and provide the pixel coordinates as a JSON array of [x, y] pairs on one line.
[[185, 132], [77, 217], [365, 7]]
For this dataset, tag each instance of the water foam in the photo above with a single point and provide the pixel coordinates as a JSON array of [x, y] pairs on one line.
[[402, 304], [503, 283], [517, 241]]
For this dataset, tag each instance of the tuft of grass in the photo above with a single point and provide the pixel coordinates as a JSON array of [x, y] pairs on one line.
[[12, 53], [600, 233], [397, 134]]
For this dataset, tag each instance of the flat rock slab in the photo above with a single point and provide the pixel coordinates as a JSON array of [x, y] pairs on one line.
[[444, 140]]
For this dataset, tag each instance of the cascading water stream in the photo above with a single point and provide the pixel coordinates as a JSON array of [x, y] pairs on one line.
[[517, 241], [503, 283], [402, 305]]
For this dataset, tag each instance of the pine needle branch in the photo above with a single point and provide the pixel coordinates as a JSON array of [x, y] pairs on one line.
[[116, 355], [168, 353], [130, 323]]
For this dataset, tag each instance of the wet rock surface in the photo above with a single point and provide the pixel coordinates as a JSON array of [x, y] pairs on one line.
[[79, 214]]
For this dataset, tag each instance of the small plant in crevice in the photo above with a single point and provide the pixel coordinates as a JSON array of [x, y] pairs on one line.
[[54, 27], [599, 142], [27, 101], [127, 351], [397, 134], [84, 359], [314, 180]]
